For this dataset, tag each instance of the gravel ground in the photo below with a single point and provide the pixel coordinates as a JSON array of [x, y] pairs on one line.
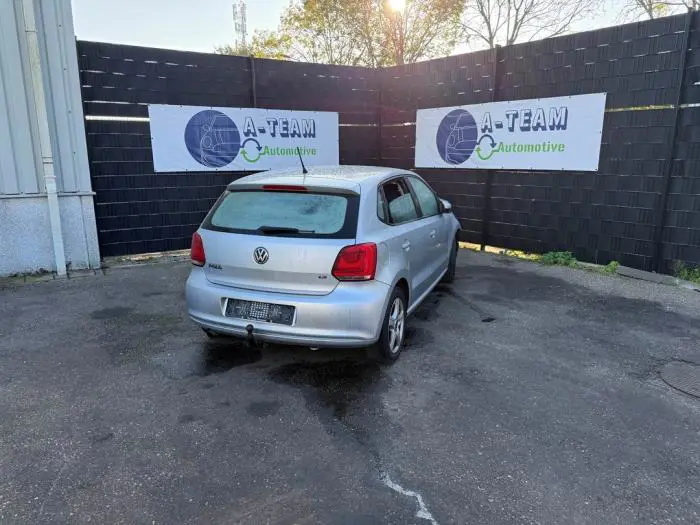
[[526, 394]]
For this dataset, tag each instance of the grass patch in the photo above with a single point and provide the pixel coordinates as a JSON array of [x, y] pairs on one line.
[[611, 267], [559, 259], [549, 259], [686, 273]]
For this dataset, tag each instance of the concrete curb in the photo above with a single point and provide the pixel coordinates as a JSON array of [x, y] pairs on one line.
[[688, 285], [110, 263], [624, 271], [651, 277], [659, 278], [16, 280]]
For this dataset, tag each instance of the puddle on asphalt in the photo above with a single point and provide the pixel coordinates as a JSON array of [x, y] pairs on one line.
[[428, 309], [160, 293], [338, 384], [345, 394], [263, 409], [485, 317], [211, 357], [102, 438], [416, 336], [217, 358]]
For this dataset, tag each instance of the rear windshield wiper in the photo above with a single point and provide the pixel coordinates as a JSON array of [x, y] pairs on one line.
[[271, 230]]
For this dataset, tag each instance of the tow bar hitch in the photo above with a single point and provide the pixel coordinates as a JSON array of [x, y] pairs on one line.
[[250, 340]]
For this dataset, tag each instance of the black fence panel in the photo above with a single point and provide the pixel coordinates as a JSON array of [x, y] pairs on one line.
[[599, 216], [681, 234], [613, 214], [635, 64], [139, 211]]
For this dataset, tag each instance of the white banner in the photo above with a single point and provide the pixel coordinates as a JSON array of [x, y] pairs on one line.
[[191, 138], [560, 133]]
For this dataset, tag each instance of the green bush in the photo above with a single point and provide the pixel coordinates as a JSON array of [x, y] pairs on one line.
[[559, 259], [686, 273]]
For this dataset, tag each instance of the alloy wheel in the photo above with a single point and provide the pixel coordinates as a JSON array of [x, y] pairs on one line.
[[397, 321]]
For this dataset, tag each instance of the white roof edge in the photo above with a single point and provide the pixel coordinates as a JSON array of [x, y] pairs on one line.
[[327, 176]]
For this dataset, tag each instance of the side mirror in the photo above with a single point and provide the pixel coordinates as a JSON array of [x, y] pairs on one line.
[[446, 206]]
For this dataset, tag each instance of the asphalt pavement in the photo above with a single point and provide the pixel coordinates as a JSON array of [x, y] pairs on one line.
[[525, 394]]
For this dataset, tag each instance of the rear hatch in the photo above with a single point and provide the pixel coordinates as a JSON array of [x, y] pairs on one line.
[[281, 239]]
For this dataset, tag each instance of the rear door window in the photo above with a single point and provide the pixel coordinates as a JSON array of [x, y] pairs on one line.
[[400, 202], [284, 213], [426, 198]]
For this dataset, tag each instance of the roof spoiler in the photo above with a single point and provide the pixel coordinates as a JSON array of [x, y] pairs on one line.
[[309, 188]]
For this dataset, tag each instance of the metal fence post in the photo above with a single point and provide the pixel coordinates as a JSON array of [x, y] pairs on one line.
[[486, 215], [380, 109], [253, 83], [660, 220]]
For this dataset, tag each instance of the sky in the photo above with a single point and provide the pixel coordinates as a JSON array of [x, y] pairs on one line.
[[192, 25]]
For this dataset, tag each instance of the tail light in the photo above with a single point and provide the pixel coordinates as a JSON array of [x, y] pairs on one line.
[[356, 263], [197, 251]]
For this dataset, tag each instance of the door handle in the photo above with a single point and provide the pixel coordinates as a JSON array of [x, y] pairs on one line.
[[433, 233], [406, 245]]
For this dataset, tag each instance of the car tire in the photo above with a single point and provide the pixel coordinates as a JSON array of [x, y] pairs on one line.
[[393, 332], [452, 265]]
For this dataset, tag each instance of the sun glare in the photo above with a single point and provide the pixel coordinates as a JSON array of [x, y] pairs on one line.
[[397, 5]]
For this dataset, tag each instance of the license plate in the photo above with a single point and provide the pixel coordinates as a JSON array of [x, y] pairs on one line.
[[255, 311]]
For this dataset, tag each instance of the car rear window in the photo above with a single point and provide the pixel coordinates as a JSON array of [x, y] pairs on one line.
[[312, 214]]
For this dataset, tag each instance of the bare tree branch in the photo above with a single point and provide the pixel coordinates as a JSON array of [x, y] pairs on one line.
[[649, 9], [507, 22]]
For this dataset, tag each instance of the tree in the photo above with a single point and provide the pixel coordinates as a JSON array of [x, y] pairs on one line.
[[422, 29], [506, 22], [264, 44], [319, 32], [363, 32], [655, 9], [309, 31]]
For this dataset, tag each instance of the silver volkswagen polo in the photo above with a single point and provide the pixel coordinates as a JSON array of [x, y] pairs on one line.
[[335, 257]]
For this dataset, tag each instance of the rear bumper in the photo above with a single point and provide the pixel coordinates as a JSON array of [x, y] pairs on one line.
[[350, 316]]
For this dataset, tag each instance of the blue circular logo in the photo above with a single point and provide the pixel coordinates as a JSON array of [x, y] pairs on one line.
[[212, 138], [456, 136]]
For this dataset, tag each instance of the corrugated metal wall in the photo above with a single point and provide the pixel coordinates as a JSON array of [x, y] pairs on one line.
[[63, 100], [19, 164], [20, 161]]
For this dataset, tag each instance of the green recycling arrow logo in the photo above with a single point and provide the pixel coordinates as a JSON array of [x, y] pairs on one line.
[[251, 158], [492, 148]]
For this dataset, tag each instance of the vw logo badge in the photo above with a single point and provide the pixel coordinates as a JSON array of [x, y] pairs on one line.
[[260, 255]]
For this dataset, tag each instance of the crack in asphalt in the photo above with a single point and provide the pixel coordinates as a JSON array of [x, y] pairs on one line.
[[422, 512]]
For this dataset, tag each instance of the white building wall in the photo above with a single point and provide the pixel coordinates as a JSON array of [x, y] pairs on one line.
[[39, 92]]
